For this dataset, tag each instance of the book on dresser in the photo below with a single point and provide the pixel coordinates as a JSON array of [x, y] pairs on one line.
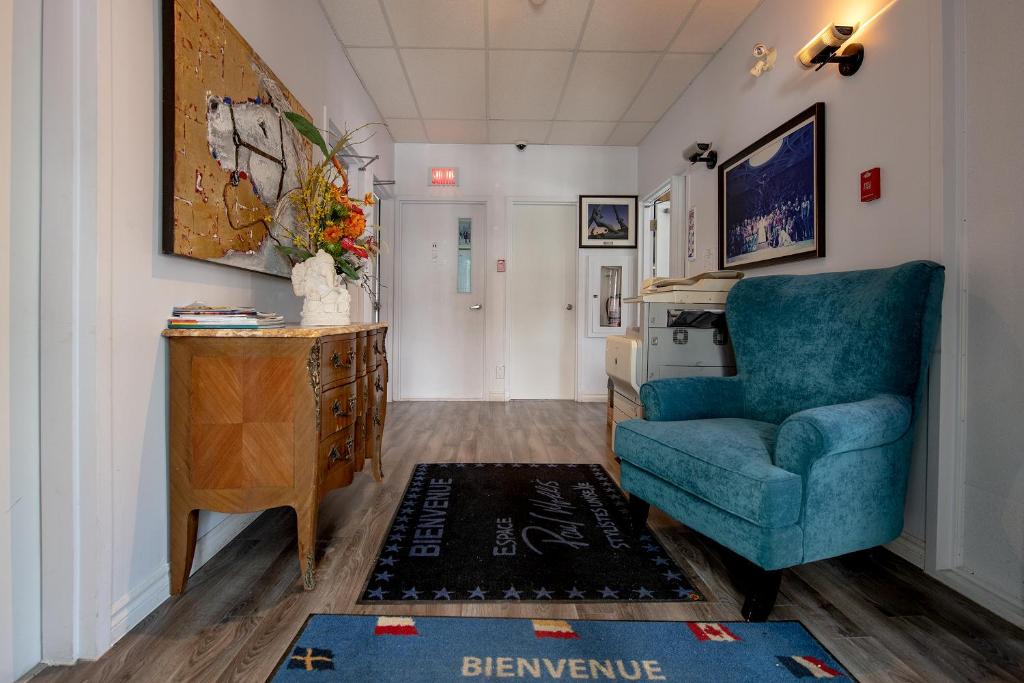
[[263, 418]]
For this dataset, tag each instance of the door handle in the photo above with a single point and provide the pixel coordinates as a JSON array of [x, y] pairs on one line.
[[475, 307], [568, 307]]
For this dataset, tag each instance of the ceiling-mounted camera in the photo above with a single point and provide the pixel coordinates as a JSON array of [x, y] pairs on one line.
[[701, 151]]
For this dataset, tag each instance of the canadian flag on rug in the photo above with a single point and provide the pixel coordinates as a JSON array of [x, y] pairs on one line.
[[395, 626], [713, 631]]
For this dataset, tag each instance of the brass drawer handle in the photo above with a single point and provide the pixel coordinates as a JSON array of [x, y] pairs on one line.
[[337, 361], [338, 412], [376, 417], [334, 456], [377, 384]]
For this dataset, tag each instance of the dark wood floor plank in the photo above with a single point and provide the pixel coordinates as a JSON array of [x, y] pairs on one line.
[[883, 618]]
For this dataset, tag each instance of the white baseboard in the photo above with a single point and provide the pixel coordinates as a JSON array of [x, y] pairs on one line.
[[910, 548], [989, 597], [593, 398], [497, 397], [135, 605], [219, 536]]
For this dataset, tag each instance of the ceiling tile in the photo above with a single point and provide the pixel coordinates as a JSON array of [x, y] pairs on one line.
[[407, 130], [448, 84], [358, 22], [711, 24], [602, 85], [629, 133], [468, 132], [618, 25], [580, 132], [669, 80], [553, 25], [381, 73], [534, 132], [526, 84], [437, 23]]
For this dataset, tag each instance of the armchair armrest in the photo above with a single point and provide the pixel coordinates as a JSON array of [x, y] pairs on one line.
[[692, 398], [810, 435]]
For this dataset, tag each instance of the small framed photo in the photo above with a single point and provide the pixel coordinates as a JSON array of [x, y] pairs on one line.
[[608, 221], [771, 196]]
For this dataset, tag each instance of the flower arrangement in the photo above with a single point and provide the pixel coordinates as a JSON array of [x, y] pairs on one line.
[[323, 216]]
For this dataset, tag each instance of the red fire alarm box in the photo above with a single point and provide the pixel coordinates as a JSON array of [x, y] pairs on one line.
[[871, 184]]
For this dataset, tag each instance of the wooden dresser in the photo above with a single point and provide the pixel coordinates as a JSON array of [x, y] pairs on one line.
[[270, 418]]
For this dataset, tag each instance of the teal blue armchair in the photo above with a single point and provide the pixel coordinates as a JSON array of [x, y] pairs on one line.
[[805, 453]]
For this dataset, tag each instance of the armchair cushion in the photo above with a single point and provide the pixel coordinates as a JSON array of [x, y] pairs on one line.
[[692, 398], [806, 437], [725, 462]]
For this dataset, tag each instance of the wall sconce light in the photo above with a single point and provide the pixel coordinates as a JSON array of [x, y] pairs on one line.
[[765, 59], [701, 151], [824, 47]]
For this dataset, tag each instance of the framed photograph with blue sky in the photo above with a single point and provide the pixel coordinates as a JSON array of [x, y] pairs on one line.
[[608, 221], [771, 196]]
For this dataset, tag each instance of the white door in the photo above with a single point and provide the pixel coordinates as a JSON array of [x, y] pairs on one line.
[[441, 296], [543, 301]]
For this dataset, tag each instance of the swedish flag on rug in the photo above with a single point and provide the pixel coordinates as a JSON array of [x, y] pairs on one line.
[[368, 648]]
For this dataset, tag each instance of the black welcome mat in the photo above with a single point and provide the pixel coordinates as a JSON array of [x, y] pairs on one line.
[[513, 531]]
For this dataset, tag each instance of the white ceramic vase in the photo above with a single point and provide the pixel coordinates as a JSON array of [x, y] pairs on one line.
[[326, 301]]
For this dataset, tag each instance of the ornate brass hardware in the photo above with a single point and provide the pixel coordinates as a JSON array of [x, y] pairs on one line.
[[338, 412], [376, 417], [335, 455], [338, 362], [377, 385]]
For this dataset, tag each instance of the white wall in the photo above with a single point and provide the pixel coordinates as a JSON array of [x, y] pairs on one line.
[[993, 397], [20, 63], [885, 115], [6, 492], [137, 285], [497, 173]]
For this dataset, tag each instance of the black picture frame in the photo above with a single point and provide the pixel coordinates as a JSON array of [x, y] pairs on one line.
[[588, 237], [783, 221]]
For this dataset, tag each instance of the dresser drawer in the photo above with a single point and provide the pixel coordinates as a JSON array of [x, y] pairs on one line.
[[338, 408], [338, 361], [337, 460], [362, 342]]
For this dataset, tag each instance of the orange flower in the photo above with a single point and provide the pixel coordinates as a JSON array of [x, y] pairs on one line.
[[368, 198], [355, 224], [333, 233]]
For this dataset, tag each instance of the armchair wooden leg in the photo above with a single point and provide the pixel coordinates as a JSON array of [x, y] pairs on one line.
[[761, 591], [638, 511]]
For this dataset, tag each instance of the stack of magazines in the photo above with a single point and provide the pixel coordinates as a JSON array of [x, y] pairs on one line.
[[200, 316]]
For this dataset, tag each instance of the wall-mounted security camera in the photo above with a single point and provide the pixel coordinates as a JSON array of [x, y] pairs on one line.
[[521, 145], [824, 49], [701, 151], [765, 59]]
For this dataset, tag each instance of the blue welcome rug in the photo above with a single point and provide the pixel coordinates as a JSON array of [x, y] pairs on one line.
[[334, 647], [520, 532]]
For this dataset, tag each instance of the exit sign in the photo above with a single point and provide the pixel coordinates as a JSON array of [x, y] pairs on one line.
[[444, 176]]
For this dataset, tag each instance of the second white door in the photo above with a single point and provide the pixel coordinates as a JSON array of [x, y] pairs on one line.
[[542, 292]]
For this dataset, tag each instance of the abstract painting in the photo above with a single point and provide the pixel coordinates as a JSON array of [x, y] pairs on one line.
[[771, 196], [230, 156], [608, 221]]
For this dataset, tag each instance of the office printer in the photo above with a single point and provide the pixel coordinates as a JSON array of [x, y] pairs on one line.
[[682, 333]]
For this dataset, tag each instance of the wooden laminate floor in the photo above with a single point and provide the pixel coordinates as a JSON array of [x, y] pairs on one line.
[[884, 619]]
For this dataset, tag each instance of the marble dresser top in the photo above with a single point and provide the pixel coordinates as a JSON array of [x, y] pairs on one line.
[[286, 331]]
